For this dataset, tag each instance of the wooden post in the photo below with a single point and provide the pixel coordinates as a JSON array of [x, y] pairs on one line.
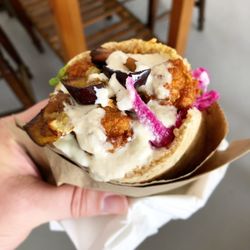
[[180, 20], [201, 18], [152, 13], [69, 25]]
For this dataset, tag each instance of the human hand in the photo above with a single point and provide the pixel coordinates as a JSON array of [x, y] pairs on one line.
[[26, 201]]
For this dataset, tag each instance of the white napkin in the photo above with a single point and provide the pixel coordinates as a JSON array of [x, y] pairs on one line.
[[144, 218]]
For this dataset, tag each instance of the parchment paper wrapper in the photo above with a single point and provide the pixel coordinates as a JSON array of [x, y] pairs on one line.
[[144, 218], [147, 214], [64, 171], [59, 170]]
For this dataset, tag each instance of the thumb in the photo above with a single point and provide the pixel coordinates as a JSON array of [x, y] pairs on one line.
[[55, 203], [30, 113]]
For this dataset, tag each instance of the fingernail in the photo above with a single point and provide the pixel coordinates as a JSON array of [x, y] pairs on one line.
[[114, 204]]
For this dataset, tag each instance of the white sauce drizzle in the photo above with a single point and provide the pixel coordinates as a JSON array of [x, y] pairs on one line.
[[60, 87], [91, 138], [116, 61], [96, 76], [102, 96], [90, 134], [165, 113], [134, 154], [148, 60], [158, 78], [69, 147], [123, 99]]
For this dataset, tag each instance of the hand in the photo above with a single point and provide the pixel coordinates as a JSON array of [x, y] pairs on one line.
[[26, 201]]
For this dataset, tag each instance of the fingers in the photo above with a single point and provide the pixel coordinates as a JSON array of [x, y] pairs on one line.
[[28, 114], [56, 203], [89, 203], [9, 127]]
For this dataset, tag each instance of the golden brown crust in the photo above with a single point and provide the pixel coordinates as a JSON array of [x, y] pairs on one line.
[[117, 127], [184, 88], [142, 47], [78, 69]]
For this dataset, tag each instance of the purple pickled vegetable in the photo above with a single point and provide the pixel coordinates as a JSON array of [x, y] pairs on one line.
[[201, 75], [206, 100], [162, 135], [99, 56], [181, 115]]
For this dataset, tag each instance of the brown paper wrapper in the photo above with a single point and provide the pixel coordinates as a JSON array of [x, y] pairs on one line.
[[59, 170]]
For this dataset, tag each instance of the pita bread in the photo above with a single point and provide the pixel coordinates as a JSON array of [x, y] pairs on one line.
[[188, 137]]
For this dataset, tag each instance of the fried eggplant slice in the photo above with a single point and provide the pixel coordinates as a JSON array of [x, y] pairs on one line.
[[140, 77], [79, 84], [84, 95], [117, 127], [99, 56], [52, 122]]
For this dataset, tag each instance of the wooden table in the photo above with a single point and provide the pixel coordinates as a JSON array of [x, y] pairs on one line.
[[69, 24]]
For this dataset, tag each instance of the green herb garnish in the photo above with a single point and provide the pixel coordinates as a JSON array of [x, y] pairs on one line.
[[60, 74], [54, 81]]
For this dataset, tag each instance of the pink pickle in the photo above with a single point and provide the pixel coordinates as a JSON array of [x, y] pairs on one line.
[[162, 135], [202, 76], [206, 100]]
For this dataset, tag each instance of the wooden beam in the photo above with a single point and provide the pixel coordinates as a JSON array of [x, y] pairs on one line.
[[15, 83], [152, 13], [180, 20], [69, 25]]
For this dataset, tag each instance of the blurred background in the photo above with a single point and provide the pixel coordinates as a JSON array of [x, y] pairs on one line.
[[37, 38]]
